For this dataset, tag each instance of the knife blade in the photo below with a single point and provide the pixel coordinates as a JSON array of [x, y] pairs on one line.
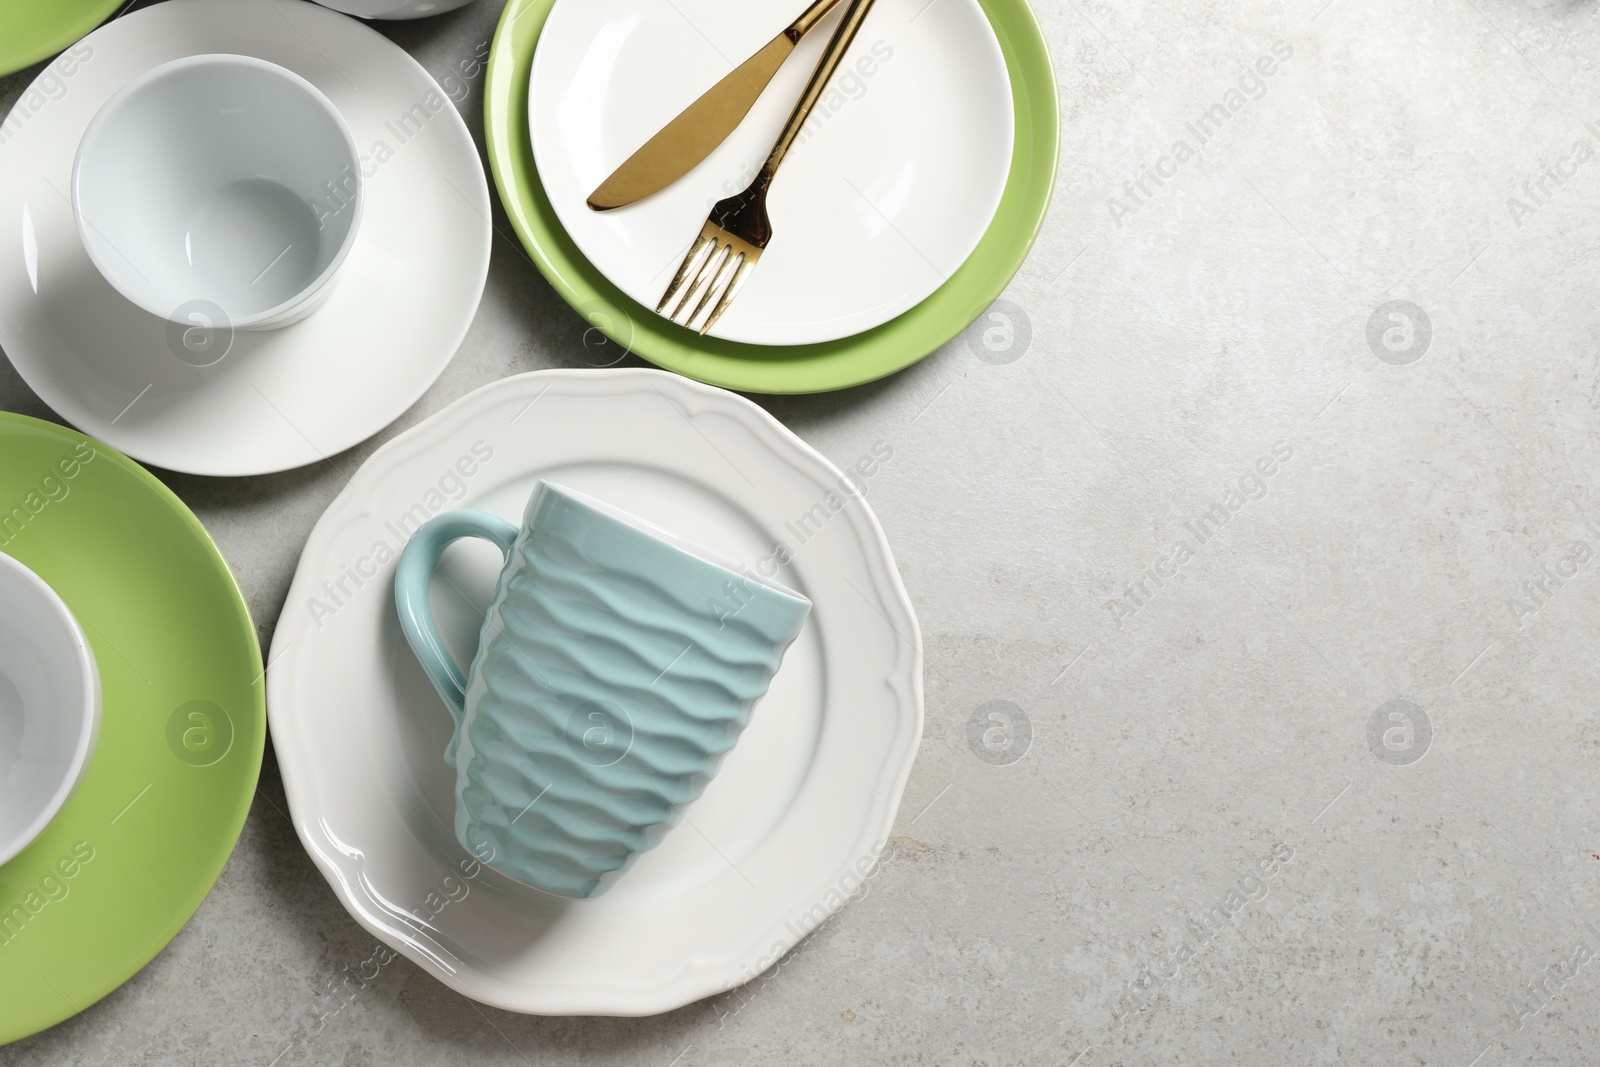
[[681, 144]]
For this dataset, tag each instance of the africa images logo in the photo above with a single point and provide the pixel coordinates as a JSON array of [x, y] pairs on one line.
[[1137, 192], [52, 888], [52, 488], [450, 487], [1252, 485], [48, 87]]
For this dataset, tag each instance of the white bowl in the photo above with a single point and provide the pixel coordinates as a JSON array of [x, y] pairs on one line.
[[49, 705], [219, 186]]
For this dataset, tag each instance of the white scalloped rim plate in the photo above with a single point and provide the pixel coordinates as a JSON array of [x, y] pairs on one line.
[[781, 836]]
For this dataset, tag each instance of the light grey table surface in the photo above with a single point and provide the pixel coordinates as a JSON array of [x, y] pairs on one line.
[[1208, 833]]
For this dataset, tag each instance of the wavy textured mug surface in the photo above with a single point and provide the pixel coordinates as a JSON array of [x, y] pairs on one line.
[[616, 667]]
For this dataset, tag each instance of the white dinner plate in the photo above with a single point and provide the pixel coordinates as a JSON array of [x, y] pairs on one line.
[[278, 399], [889, 190], [787, 830]]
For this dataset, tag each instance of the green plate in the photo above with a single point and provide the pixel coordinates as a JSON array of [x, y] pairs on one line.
[[760, 368], [141, 842], [31, 30]]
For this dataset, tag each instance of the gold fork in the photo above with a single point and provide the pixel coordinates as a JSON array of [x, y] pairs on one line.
[[737, 232]]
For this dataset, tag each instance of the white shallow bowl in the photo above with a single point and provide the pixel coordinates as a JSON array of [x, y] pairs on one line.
[[890, 186], [49, 705], [219, 184]]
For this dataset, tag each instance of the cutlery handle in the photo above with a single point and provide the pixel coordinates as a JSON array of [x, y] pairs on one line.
[[809, 19], [843, 37]]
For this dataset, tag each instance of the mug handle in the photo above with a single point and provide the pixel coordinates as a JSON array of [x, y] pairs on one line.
[[416, 566]]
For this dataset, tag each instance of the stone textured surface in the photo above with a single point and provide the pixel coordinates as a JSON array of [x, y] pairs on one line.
[[1225, 729]]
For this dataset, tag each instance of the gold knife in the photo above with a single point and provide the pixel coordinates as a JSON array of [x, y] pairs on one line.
[[704, 124]]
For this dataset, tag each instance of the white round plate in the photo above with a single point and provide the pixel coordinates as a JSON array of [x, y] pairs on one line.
[[888, 191], [785, 832], [277, 399]]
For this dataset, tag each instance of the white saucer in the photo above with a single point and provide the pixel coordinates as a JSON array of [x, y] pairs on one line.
[[784, 833], [888, 192], [284, 398]]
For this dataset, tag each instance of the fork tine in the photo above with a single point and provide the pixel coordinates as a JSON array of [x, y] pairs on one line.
[[704, 280], [691, 289], [718, 285], [697, 251], [733, 291]]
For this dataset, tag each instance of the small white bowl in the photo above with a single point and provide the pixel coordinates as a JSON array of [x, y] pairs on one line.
[[219, 184], [49, 705]]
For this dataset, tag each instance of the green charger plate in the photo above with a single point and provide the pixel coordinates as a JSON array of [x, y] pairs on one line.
[[31, 30], [759, 368], [141, 842]]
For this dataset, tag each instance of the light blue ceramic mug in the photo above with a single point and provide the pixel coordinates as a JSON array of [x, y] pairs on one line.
[[616, 667]]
